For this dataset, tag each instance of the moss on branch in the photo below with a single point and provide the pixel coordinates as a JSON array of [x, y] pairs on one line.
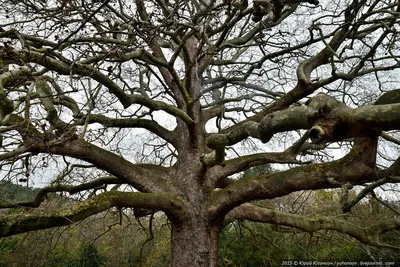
[[368, 235], [15, 224], [309, 177]]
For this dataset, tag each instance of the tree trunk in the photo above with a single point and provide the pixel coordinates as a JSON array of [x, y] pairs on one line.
[[195, 244]]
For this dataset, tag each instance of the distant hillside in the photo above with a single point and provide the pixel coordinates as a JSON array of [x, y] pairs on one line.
[[14, 192]]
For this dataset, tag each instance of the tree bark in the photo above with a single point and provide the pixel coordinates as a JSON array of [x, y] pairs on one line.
[[195, 243]]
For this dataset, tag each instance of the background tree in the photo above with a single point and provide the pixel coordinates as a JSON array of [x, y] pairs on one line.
[[159, 105]]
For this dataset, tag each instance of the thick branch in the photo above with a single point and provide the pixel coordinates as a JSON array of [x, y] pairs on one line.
[[310, 177], [41, 195], [242, 163], [45, 94], [145, 178], [6, 79], [88, 71], [302, 89], [368, 235], [15, 224], [331, 120]]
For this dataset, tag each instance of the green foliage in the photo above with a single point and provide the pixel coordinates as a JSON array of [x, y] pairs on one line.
[[89, 256], [15, 192], [256, 244], [111, 242], [7, 246], [247, 244]]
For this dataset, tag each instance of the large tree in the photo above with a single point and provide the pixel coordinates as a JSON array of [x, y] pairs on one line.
[[160, 105]]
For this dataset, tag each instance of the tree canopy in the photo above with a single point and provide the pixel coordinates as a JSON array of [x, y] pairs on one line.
[[160, 105]]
